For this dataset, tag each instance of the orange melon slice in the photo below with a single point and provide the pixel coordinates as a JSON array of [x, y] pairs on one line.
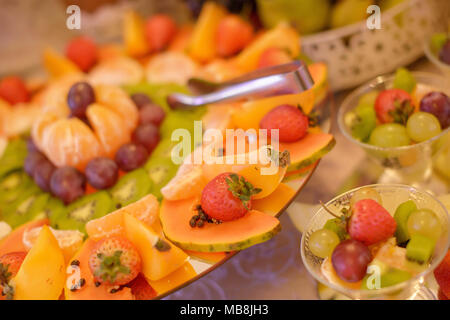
[[308, 150], [253, 228], [89, 291], [156, 262], [276, 201]]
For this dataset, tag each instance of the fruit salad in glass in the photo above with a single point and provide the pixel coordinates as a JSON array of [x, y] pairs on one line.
[[377, 242], [401, 121], [437, 50]]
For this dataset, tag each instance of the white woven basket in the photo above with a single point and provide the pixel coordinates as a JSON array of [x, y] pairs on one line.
[[355, 54]]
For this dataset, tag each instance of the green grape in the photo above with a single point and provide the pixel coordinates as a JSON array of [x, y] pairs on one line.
[[361, 121], [422, 126], [424, 222], [368, 98], [365, 193], [389, 135], [404, 80], [322, 242]]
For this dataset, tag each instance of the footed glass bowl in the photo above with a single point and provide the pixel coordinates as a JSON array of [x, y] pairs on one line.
[[411, 164], [392, 195]]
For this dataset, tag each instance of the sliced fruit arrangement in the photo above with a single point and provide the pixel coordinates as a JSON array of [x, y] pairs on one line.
[[364, 235], [88, 185], [399, 116]]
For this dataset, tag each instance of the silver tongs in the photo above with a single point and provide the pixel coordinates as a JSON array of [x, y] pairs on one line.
[[292, 77]]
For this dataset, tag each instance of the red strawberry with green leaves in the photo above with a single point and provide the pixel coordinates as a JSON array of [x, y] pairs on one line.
[[370, 222], [83, 52], [442, 275], [141, 289], [394, 105], [227, 197], [9, 266], [115, 261], [291, 122]]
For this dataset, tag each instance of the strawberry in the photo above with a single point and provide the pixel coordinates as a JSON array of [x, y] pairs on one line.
[[291, 122], [160, 29], [370, 222], [13, 90], [141, 289], [442, 275], [233, 34], [83, 52], [272, 57], [393, 105], [114, 261], [227, 197], [442, 296], [9, 266]]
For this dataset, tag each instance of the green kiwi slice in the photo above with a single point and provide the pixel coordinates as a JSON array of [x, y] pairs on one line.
[[12, 186], [86, 208], [131, 187], [26, 208], [160, 171], [54, 209], [14, 156]]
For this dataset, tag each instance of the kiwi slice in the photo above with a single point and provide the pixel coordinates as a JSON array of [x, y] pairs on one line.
[[88, 207], [54, 209], [131, 187], [160, 171], [27, 208], [419, 248], [12, 186], [394, 276], [401, 216], [361, 121], [14, 156]]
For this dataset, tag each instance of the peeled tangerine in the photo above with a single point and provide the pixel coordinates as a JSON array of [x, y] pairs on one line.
[[42, 274]]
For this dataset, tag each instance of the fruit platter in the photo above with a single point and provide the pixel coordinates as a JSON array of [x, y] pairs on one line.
[[110, 194]]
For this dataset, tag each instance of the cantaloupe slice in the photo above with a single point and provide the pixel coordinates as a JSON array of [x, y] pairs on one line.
[[89, 291], [308, 150], [253, 228], [319, 73], [251, 112], [156, 262], [58, 65], [202, 44]]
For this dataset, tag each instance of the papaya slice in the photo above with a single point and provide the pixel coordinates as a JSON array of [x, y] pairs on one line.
[[211, 257], [319, 73], [13, 242], [276, 201], [308, 150], [184, 273], [251, 112], [89, 291], [253, 228]]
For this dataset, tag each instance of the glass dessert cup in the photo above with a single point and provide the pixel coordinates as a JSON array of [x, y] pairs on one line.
[[392, 195], [442, 66], [411, 164]]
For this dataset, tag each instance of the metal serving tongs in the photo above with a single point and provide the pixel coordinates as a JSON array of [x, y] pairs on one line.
[[292, 77]]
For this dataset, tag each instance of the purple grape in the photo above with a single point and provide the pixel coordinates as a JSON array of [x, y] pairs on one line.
[[151, 113], [102, 173], [42, 174], [31, 146], [146, 135], [80, 96], [68, 184], [438, 104], [131, 156], [31, 161], [444, 53], [140, 100], [350, 259]]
